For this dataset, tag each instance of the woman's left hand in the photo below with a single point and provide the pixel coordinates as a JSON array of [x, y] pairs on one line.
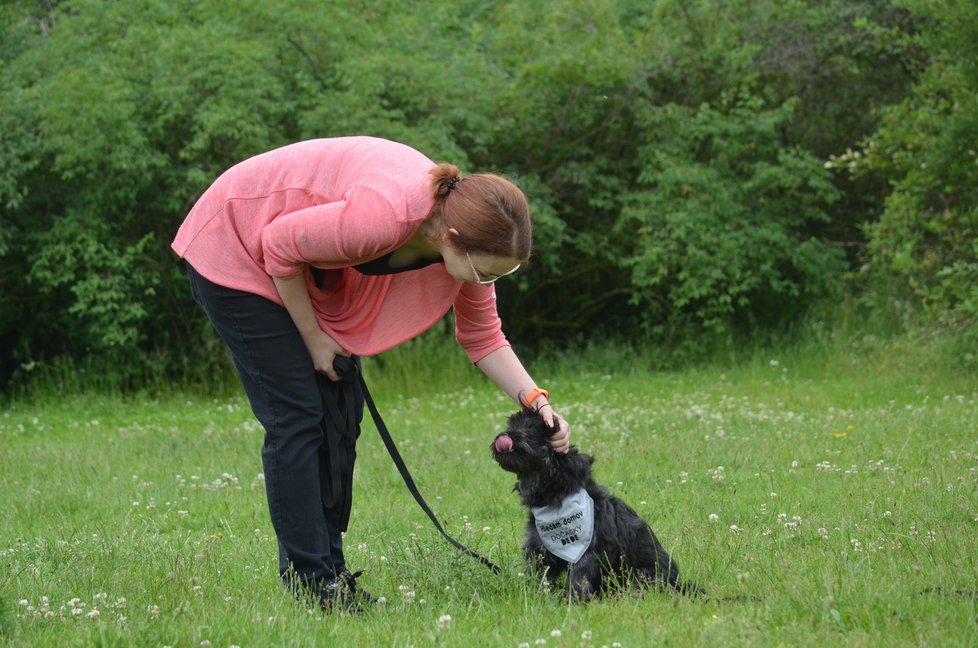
[[560, 440]]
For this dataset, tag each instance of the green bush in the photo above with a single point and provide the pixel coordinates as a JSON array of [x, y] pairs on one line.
[[927, 235], [672, 152]]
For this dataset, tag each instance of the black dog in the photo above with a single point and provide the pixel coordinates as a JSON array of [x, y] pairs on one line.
[[619, 547]]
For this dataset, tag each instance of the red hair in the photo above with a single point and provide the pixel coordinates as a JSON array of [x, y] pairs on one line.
[[489, 212]]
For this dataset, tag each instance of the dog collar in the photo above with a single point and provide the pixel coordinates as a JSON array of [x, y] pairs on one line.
[[566, 530]]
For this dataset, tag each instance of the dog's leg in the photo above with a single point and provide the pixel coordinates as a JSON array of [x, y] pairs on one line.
[[540, 561], [584, 578]]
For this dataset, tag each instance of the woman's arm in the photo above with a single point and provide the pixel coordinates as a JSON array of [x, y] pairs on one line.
[[322, 348], [505, 369]]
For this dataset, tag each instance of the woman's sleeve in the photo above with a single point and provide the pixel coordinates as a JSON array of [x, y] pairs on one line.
[[478, 328], [336, 234]]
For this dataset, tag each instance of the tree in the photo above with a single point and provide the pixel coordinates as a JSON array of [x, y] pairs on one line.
[[927, 235]]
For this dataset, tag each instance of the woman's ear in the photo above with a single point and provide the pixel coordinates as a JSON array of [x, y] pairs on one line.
[[452, 236]]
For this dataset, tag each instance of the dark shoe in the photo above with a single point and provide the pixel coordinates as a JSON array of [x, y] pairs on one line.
[[333, 598], [341, 594], [350, 580]]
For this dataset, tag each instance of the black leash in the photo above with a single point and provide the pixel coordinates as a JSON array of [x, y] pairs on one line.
[[349, 372]]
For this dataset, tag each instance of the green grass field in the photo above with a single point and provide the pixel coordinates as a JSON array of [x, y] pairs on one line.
[[822, 499]]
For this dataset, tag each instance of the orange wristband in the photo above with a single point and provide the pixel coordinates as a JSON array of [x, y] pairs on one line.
[[534, 394]]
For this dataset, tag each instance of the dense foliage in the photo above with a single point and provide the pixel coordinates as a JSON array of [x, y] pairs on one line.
[[927, 235], [675, 152]]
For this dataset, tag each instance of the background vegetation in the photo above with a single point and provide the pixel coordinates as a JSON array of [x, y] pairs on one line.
[[702, 173], [737, 203]]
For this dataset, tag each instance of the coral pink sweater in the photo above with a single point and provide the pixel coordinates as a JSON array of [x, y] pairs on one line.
[[331, 204]]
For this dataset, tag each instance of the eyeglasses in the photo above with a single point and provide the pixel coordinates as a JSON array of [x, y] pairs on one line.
[[486, 282]]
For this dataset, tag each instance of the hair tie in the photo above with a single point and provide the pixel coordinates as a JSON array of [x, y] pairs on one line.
[[453, 183]]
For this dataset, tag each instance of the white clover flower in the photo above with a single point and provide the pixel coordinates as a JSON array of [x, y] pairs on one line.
[[445, 622], [714, 517]]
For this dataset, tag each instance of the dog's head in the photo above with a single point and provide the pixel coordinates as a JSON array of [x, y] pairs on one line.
[[524, 449]]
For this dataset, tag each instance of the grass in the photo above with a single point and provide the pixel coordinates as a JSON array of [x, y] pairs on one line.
[[821, 498]]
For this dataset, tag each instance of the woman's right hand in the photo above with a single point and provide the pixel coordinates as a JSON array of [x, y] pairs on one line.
[[323, 350]]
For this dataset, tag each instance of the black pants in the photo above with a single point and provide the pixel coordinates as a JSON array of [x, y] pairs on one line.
[[289, 399]]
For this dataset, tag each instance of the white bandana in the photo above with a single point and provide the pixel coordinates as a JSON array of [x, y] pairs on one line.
[[566, 530]]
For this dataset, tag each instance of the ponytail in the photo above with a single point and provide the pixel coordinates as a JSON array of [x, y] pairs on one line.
[[489, 212], [444, 178]]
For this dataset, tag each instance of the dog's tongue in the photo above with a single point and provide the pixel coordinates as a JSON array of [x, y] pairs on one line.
[[504, 443]]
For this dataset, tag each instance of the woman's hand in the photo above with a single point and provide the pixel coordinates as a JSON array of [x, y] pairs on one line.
[[560, 440], [505, 369], [323, 350]]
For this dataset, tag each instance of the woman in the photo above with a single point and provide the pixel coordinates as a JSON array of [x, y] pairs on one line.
[[346, 247]]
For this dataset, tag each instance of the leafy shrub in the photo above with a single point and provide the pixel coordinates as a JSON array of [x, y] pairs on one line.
[[927, 235]]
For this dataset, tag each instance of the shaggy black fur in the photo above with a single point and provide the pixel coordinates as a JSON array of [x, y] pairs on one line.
[[623, 550]]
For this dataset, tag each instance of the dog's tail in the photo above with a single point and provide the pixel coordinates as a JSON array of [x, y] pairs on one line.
[[688, 587], [671, 573]]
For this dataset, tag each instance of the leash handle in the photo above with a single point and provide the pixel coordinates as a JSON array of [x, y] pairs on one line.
[[347, 373]]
